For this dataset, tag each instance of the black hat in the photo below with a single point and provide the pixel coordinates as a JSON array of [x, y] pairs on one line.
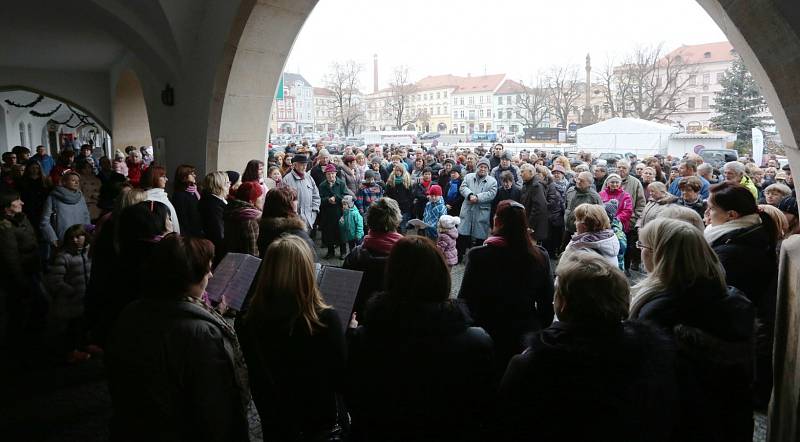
[[233, 176], [786, 167], [788, 205], [299, 158]]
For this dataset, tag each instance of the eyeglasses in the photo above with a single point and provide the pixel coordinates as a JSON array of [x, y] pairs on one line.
[[641, 246]]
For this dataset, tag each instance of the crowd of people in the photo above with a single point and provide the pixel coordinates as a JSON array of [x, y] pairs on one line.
[[546, 338]]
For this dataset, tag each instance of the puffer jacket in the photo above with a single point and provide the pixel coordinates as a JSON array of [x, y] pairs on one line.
[[604, 242], [351, 225], [447, 244], [62, 210], [67, 278]]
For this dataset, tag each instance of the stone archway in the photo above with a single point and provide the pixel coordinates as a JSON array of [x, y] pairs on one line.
[[130, 123]]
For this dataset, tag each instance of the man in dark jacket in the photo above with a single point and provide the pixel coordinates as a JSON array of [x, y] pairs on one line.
[[535, 202], [583, 192]]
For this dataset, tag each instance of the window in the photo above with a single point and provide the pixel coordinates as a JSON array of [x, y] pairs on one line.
[[461, 102], [499, 100], [692, 80], [707, 55], [461, 114], [438, 109], [480, 99], [707, 78], [508, 99], [691, 103], [720, 76], [508, 114], [455, 114], [445, 108], [437, 95], [444, 94], [471, 115], [471, 100], [488, 113], [704, 102], [481, 113]]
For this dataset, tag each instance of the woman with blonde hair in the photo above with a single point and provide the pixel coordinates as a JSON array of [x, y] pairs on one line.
[[564, 162], [214, 199], [594, 233], [685, 294], [398, 187], [294, 346]]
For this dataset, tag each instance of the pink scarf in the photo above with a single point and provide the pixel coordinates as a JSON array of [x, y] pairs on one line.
[[381, 242], [192, 188], [497, 241]]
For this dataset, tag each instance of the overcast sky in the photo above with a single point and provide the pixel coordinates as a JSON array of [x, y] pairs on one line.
[[517, 37]]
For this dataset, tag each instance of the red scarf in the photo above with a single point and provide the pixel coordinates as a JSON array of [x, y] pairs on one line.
[[381, 242], [494, 240], [426, 184]]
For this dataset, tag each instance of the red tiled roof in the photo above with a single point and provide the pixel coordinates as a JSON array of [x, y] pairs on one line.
[[510, 87], [437, 82], [322, 91], [482, 83], [704, 53]]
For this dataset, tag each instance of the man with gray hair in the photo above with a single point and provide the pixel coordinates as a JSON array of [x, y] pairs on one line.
[[583, 192], [706, 171], [734, 173], [636, 191]]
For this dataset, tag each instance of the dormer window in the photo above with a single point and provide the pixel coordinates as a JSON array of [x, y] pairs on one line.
[[707, 55]]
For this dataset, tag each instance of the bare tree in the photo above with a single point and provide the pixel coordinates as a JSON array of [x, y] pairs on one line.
[[531, 104], [343, 81], [615, 87], [563, 91], [397, 104], [649, 84]]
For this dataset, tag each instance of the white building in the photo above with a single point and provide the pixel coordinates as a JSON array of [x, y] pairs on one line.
[[472, 103], [708, 63], [377, 114], [294, 113], [431, 101], [324, 110]]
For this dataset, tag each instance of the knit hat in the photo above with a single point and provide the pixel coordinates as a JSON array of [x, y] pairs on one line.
[[484, 161], [330, 168], [450, 160], [348, 158], [457, 169], [507, 155], [233, 176], [369, 173], [788, 205], [448, 222], [610, 177], [249, 191], [611, 208], [435, 189], [348, 199]]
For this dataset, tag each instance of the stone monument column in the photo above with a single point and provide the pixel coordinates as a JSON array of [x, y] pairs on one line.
[[588, 116]]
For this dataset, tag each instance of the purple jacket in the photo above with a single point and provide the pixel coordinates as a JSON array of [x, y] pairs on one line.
[[447, 244]]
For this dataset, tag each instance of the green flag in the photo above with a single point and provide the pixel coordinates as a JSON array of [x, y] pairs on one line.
[[279, 92]]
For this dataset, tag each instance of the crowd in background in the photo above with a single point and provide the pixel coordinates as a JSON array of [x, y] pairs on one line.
[[115, 257]]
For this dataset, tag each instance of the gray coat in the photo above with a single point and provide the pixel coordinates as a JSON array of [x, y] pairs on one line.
[[62, 210], [636, 191], [575, 198], [307, 196], [475, 217], [66, 281]]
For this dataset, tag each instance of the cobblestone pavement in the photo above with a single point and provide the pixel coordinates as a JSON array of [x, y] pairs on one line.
[[53, 402]]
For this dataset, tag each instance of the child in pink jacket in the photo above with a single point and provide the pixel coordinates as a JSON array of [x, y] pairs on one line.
[[448, 234]]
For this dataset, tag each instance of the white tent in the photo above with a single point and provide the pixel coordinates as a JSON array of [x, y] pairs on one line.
[[623, 135]]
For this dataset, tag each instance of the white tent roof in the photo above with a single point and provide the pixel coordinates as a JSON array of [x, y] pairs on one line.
[[621, 126]]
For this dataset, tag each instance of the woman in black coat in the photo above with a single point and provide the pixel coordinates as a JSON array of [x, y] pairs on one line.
[[186, 200], [294, 346], [399, 188], [712, 325], [591, 376], [175, 370], [331, 192], [279, 217], [211, 207], [508, 283], [416, 369], [555, 210], [535, 201], [745, 241]]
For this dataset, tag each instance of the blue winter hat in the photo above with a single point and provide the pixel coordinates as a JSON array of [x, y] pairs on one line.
[[612, 206], [348, 199]]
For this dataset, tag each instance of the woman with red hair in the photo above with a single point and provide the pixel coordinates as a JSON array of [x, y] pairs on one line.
[[154, 182]]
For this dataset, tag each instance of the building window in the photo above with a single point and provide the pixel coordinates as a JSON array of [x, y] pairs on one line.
[[461, 114], [437, 110], [444, 94], [471, 115], [707, 55], [481, 113], [720, 76], [445, 108], [704, 102], [488, 113], [471, 100], [691, 103], [461, 101], [499, 100], [508, 99], [693, 80], [707, 78], [508, 114], [455, 114], [437, 95]]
